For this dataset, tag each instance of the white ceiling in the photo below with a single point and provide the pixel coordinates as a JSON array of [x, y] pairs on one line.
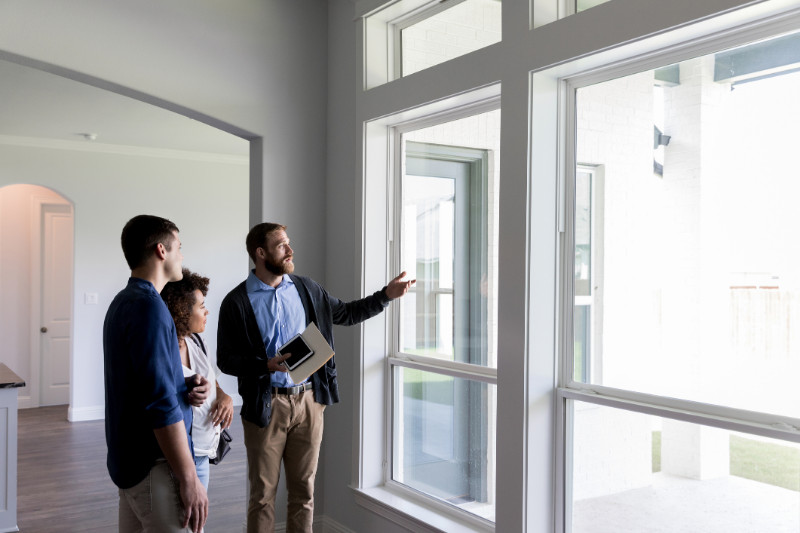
[[39, 105]]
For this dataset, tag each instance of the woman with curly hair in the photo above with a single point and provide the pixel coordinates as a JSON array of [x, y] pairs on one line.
[[186, 302]]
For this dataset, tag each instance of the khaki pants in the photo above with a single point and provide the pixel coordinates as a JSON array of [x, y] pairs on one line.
[[153, 505], [294, 435]]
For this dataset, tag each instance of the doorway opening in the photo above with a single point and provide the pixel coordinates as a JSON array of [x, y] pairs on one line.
[[36, 262]]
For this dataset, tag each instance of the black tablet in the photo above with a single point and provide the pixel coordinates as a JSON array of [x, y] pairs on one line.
[[299, 349]]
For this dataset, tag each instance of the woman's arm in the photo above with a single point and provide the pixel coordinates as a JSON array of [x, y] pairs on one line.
[[222, 410]]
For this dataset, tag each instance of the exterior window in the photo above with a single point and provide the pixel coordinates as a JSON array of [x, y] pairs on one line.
[[407, 36], [448, 30], [444, 363], [683, 290]]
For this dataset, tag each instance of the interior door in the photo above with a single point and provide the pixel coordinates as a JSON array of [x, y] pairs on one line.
[[56, 304]]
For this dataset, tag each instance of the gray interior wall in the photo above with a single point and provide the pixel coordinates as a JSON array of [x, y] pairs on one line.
[[254, 68]]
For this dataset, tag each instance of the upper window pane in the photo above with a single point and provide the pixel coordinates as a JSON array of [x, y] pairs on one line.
[[688, 285], [448, 237], [438, 35]]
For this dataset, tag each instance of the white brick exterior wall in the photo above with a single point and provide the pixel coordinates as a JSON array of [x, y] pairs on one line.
[[665, 305], [454, 32]]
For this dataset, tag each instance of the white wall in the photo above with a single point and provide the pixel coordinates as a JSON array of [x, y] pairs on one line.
[[207, 201]]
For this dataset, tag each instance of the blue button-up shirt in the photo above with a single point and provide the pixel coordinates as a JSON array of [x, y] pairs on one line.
[[280, 316]]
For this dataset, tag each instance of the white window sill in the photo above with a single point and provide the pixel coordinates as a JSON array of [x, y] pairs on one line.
[[413, 515]]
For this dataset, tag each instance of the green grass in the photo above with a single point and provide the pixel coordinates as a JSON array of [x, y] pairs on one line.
[[656, 451], [765, 462], [433, 387]]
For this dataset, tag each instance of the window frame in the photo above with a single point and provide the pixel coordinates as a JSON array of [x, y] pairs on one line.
[[476, 187], [382, 28], [374, 487], [531, 223], [564, 81], [396, 357], [396, 27]]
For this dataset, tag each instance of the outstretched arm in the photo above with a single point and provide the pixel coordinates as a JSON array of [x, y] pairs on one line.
[[398, 286], [349, 313]]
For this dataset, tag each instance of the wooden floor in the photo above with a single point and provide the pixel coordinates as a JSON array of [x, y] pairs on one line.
[[63, 484]]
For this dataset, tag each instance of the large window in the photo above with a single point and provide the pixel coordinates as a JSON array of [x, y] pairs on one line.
[[444, 361], [682, 293]]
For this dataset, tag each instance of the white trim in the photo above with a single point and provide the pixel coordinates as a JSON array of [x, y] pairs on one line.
[[83, 414], [118, 149], [540, 304], [372, 456], [25, 402], [35, 354], [413, 515]]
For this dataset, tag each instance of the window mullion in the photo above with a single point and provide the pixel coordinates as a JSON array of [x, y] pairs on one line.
[[766, 425], [447, 368]]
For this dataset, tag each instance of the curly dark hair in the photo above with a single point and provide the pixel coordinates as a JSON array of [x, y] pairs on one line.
[[179, 297]]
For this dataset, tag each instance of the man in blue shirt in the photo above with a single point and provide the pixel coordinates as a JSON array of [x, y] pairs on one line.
[[283, 420], [148, 406]]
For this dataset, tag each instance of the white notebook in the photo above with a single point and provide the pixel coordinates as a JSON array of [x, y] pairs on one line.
[[322, 352]]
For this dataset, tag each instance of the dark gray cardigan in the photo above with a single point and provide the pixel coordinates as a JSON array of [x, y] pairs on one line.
[[241, 351]]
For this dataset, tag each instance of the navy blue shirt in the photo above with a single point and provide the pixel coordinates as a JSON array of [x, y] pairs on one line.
[[145, 389]]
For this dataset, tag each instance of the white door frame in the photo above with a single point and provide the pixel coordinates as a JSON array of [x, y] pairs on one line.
[[37, 202]]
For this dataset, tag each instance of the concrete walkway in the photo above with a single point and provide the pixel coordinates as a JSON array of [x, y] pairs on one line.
[[680, 505]]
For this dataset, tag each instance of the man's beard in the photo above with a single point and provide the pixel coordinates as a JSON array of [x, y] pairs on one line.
[[278, 269]]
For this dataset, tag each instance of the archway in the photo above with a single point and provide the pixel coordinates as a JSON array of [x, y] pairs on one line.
[[145, 159], [36, 261]]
